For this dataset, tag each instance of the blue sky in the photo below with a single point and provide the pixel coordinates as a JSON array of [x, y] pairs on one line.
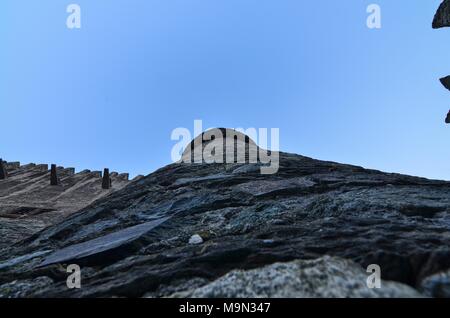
[[110, 93]]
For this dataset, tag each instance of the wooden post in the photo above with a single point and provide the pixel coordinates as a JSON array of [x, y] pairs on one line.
[[3, 172], [106, 181], [53, 176]]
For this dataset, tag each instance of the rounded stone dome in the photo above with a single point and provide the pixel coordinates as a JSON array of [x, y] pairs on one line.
[[235, 147]]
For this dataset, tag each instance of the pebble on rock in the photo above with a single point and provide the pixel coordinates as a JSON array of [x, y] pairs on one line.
[[195, 239]]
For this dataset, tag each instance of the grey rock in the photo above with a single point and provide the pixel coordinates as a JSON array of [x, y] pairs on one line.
[[21, 259], [178, 286], [184, 181], [138, 177], [247, 220], [326, 277], [98, 247], [24, 288], [195, 239], [261, 188], [437, 285], [248, 168]]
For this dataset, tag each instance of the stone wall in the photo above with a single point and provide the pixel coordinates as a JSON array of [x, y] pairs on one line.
[[28, 203]]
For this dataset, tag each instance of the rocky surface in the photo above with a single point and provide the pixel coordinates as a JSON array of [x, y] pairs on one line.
[[437, 285], [441, 20], [328, 277], [28, 203], [138, 241], [207, 230]]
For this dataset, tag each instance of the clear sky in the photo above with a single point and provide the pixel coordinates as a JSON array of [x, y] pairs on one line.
[[110, 94]]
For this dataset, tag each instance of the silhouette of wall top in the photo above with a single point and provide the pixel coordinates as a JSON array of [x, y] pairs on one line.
[[442, 17], [446, 82], [441, 20]]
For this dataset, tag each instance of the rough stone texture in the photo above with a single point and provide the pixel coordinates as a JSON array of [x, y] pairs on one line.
[[442, 17], [28, 203], [437, 285], [21, 259], [247, 220], [326, 277], [100, 248], [24, 288]]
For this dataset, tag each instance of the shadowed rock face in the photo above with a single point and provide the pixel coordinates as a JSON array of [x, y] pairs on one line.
[[136, 241], [437, 285], [442, 17], [441, 20], [3, 173], [246, 220], [101, 247]]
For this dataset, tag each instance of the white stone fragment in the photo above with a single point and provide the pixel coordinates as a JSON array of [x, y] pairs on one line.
[[195, 239]]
